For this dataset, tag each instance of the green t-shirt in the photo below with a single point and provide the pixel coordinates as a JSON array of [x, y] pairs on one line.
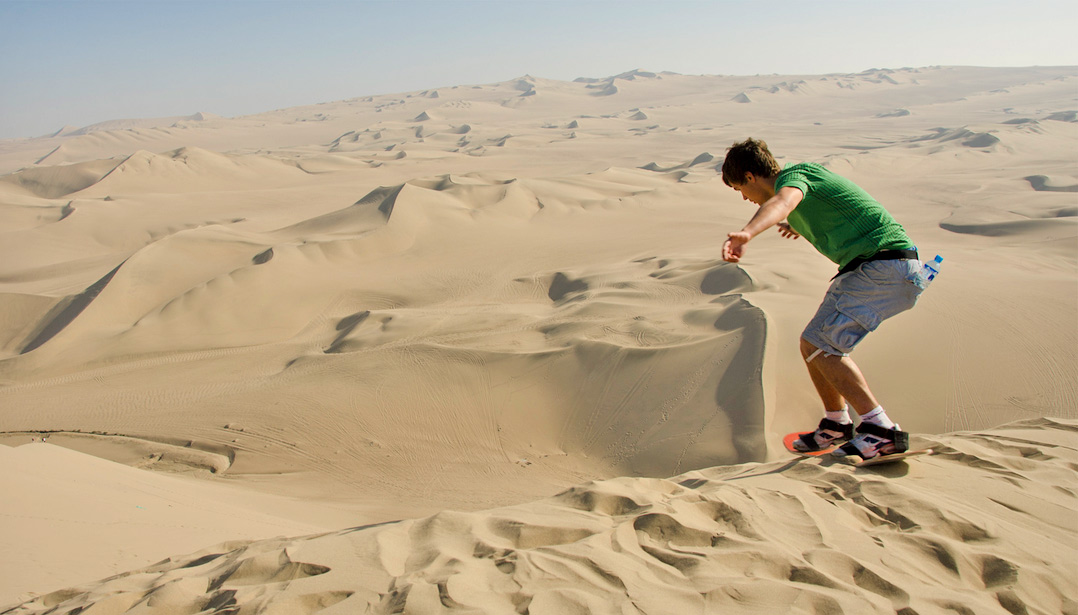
[[837, 216]]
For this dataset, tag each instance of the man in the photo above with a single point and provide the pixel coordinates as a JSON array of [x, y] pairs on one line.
[[877, 279]]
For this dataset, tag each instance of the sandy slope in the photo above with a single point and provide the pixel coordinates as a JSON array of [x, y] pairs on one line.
[[985, 526], [120, 517], [478, 296]]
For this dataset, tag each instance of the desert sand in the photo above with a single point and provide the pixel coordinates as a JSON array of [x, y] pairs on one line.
[[473, 350]]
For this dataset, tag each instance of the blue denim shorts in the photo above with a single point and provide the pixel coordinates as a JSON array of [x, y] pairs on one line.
[[858, 301]]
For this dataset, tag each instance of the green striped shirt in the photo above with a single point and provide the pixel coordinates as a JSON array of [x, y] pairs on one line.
[[837, 216]]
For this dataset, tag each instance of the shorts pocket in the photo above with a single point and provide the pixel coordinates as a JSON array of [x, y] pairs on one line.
[[913, 269], [880, 272], [859, 311], [842, 331]]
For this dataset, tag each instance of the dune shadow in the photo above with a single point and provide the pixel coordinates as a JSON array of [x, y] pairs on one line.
[[67, 311]]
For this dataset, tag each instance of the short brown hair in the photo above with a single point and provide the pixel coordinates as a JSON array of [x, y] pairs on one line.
[[749, 156]]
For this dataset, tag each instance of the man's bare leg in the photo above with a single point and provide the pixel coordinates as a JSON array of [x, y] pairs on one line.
[[838, 380]]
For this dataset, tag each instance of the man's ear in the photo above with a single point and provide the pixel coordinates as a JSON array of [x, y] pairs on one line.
[[748, 178]]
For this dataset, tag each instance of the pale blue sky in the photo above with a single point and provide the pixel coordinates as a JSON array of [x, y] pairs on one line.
[[77, 63]]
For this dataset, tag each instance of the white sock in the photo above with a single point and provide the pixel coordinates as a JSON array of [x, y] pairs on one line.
[[877, 416], [841, 417]]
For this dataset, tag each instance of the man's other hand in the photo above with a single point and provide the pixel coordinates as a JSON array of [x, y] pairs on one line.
[[786, 231]]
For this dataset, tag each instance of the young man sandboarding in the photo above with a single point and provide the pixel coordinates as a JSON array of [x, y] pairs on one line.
[[878, 266]]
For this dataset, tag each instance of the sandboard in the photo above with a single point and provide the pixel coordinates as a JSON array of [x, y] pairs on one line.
[[788, 442], [882, 459]]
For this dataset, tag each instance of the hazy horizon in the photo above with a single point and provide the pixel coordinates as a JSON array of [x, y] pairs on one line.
[[77, 64]]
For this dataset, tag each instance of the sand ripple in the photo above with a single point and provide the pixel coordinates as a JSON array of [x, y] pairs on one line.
[[987, 525]]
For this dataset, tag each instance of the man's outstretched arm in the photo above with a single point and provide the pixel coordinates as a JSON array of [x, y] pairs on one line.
[[770, 213]]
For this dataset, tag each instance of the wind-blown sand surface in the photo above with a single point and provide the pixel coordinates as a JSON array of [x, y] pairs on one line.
[[978, 528], [477, 297]]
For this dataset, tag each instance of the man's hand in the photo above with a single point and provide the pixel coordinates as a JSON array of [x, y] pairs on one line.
[[735, 246], [786, 231]]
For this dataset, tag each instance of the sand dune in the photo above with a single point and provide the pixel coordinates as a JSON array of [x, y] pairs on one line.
[[481, 296], [57, 181], [125, 517], [986, 525], [1042, 183]]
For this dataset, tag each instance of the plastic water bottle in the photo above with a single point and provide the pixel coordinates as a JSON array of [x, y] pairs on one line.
[[929, 272]]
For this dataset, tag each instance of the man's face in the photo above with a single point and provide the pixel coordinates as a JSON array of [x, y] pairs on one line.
[[752, 190]]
